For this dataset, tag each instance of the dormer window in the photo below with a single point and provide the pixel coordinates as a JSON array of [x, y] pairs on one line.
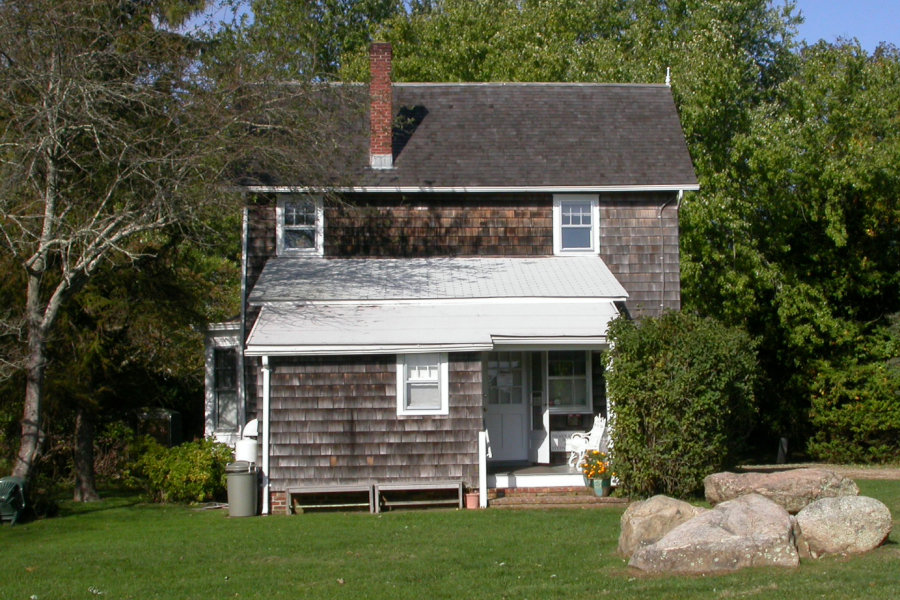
[[300, 225], [576, 228]]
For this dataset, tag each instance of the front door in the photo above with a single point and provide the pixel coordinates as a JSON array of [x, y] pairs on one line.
[[505, 405]]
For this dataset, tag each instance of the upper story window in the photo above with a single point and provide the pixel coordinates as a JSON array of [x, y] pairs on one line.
[[422, 387], [300, 225], [576, 228]]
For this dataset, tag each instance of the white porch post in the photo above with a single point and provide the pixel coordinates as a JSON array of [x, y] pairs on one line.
[[482, 469], [266, 372]]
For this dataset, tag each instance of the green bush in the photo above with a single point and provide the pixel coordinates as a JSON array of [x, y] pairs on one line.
[[855, 405], [681, 391], [191, 472]]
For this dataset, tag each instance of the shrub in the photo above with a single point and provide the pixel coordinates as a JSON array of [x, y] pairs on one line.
[[681, 392], [855, 406], [191, 472]]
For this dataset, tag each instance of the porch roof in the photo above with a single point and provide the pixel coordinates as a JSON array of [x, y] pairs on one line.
[[428, 326], [373, 280]]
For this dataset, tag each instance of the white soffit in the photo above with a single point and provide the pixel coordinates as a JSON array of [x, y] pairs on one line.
[[317, 329], [371, 280]]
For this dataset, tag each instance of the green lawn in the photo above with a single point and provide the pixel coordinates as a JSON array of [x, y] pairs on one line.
[[124, 550]]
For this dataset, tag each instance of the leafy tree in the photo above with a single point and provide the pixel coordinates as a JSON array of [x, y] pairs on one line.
[[799, 242], [681, 393], [112, 132]]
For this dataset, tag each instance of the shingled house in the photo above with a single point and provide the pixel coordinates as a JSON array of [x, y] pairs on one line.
[[464, 284]]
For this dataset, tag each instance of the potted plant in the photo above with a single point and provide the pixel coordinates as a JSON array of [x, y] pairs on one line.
[[595, 468], [473, 497]]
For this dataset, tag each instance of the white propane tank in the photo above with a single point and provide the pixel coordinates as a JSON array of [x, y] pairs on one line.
[[245, 450]]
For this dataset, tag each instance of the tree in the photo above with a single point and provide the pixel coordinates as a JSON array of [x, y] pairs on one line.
[[112, 131], [799, 241]]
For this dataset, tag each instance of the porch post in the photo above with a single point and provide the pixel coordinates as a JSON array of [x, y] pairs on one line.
[[266, 372], [482, 469]]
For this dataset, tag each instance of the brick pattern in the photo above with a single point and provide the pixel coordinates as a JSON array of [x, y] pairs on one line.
[[398, 226], [278, 503], [381, 115], [334, 419], [641, 249]]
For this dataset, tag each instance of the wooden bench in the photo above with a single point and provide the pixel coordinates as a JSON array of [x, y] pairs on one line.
[[336, 491], [418, 486]]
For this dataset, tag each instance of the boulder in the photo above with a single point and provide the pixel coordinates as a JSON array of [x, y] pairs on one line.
[[646, 522], [846, 525], [751, 531], [791, 489]]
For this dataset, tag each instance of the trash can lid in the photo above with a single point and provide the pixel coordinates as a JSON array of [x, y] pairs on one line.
[[240, 466]]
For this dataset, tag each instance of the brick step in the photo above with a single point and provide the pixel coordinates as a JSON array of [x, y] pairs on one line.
[[550, 501], [544, 491]]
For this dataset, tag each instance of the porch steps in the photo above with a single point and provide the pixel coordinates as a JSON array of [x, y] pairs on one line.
[[551, 497]]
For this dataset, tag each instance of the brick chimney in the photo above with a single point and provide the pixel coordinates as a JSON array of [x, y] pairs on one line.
[[381, 113]]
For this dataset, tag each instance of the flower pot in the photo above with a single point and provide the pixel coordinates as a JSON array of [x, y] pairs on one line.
[[601, 487], [472, 500]]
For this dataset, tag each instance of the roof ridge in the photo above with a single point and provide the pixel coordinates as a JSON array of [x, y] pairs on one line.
[[523, 84]]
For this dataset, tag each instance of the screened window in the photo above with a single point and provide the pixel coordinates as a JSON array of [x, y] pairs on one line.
[[422, 384], [569, 381], [225, 387], [299, 225]]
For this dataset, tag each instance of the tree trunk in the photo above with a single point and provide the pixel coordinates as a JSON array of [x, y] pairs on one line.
[[32, 433], [85, 484]]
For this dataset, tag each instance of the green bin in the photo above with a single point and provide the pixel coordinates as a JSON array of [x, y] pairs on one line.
[[12, 499], [242, 488]]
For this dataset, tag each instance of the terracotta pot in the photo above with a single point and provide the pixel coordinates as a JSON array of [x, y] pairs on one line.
[[472, 500]]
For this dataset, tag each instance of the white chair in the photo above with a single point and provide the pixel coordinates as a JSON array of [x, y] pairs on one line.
[[582, 443]]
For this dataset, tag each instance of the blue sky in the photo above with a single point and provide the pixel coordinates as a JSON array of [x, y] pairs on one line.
[[870, 21]]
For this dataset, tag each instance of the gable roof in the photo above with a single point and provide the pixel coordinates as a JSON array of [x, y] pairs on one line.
[[526, 136]]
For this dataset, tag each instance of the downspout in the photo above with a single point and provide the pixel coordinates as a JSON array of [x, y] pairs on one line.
[[662, 244], [242, 398], [266, 372]]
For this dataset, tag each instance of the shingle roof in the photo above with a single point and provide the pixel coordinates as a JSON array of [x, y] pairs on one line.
[[358, 280], [536, 135], [521, 135]]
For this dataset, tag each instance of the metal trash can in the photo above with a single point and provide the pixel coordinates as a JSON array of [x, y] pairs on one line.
[[242, 488], [12, 499]]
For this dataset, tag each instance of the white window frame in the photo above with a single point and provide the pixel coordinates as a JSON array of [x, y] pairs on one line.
[[589, 383], [443, 386], [319, 248], [594, 200]]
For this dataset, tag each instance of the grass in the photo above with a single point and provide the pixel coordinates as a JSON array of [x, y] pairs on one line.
[[123, 549]]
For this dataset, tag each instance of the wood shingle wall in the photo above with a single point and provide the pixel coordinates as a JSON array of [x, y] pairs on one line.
[[334, 420], [640, 249], [424, 225]]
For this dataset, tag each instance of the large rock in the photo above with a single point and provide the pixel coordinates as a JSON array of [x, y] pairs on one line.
[[791, 489], [646, 522], [847, 525], [751, 531]]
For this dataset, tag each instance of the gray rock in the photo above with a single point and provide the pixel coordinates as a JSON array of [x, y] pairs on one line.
[[645, 523], [750, 531], [846, 525], [791, 489]]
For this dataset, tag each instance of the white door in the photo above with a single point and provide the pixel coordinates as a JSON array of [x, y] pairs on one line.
[[505, 405]]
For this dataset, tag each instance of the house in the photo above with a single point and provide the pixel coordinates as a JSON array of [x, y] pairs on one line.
[[464, 284]]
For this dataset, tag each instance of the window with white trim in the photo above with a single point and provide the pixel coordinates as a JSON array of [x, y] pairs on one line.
[[576, 228], [225, 389], [569, 381], [422, 387], [300, 225]]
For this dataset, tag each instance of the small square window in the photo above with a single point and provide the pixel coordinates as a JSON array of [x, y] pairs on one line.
[[575, 224], [300, 225], [422, 384]]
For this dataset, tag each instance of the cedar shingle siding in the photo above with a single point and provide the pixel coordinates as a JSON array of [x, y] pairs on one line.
[[334, 420], [425, 225], [636, 246]]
